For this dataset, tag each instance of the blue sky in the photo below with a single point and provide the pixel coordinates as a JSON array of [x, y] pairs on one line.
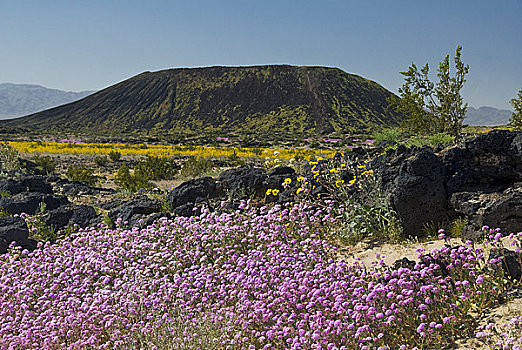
[[89, 45]]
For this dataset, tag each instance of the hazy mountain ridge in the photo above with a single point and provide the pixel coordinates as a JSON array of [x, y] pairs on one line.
[[22, 99], [487, 116], [264, 99]]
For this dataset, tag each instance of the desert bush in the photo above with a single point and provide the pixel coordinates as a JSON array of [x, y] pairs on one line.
[[101, 160], [114, 156], [39, 230], [435, 140], [388, 134], [82, 174], [516, 117], [195, 167], [45, 163], [433, 107], [360, 205], [157, 168], [139, 179], [8, 157]]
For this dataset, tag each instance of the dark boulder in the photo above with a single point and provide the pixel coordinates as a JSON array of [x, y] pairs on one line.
[[404, 263], [14, 229], [77, 188], [148, 220], [187, 210], [498, 210], [485, 163], [515, 150], [37, 183], [196, 190], [31, 167], [62, 217], [243, 182], [418, 193], [281, 170], [26, 183], [11, 186], [30, 202], [511, 262], [135, 209], [275, 179]]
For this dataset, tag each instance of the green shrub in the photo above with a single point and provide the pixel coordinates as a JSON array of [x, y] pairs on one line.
[[45, 163], [40, 231], [439, 139], [157, 168], [195, 167], [359, 203], [139, 179], [388, 134], [366, 213], [4, 194], [8, 157], [82, 174], [457, 226], [114, 156], [100, 160]]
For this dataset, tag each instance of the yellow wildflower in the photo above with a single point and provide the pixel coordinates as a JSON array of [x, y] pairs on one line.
[[351, 182], [300, 178], [338, 183], [361, 166], [334, 170], [343, 165], [288, 181], [367, 172], [268, 192], [299, 190], [275, 192]]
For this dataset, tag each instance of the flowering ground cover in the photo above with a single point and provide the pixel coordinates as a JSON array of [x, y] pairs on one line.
[[72, 147], [265, 278]]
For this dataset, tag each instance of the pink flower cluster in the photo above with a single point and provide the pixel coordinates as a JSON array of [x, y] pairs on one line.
[[260, 279]]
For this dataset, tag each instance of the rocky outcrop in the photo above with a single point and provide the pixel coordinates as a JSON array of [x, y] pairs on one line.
[[70, 215], [243, 182], [31, 202], [477, 180], [194, 191], [510, 262], [136, 211], [14, 229]]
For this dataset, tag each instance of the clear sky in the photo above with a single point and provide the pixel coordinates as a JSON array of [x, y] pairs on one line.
[[88, 45]]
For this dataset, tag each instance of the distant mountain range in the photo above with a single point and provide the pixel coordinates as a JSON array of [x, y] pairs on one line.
[[264, 100], [17, 100], [487, 116]]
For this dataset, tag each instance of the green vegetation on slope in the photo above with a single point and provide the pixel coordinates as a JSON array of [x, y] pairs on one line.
[[260, 99]]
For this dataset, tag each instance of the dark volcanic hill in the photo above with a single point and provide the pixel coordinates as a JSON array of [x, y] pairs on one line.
[[240, 99]]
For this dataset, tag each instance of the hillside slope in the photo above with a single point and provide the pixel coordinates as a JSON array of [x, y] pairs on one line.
[[263, 99], [22, 99], [487, 116]]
